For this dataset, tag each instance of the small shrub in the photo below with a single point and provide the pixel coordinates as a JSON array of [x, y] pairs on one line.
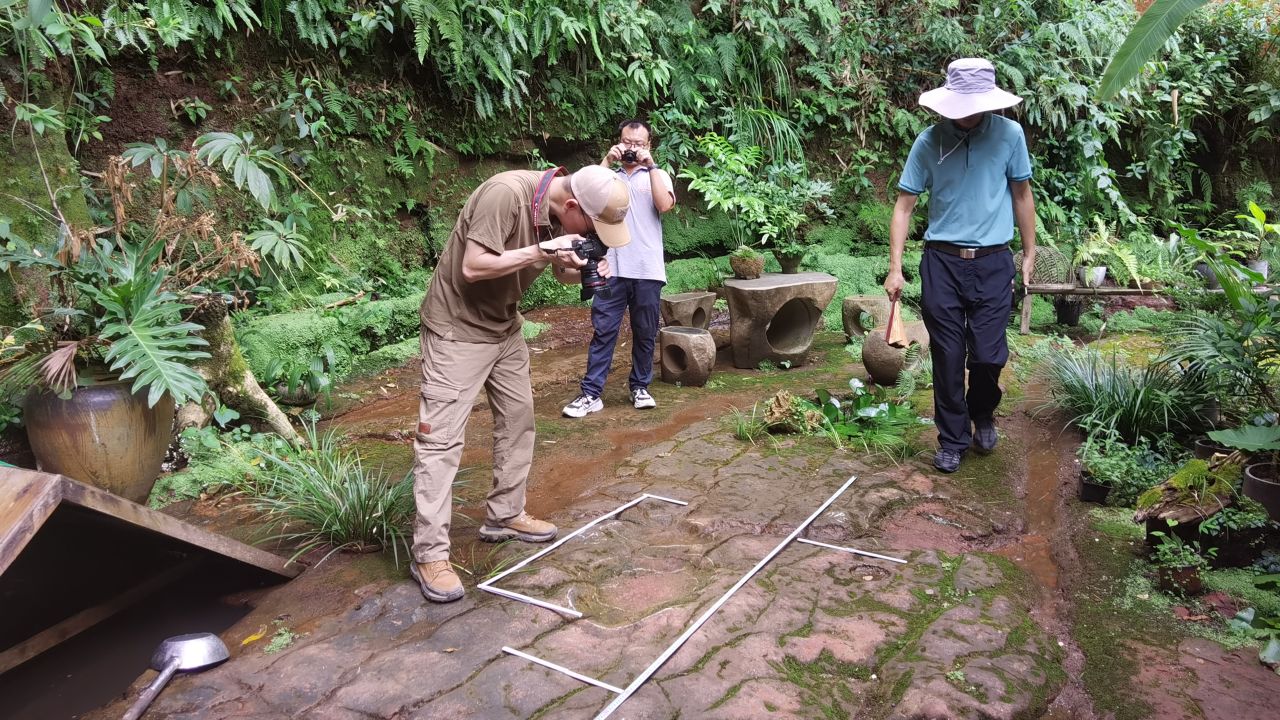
[[547, 290], [873, 220], [748, 427], [1129, 470], [531, 330], [687, 232]]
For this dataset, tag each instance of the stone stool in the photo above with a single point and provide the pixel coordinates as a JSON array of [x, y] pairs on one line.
[[884, 362], [691, 309], [877, 306], [688, 355], [775, 316]]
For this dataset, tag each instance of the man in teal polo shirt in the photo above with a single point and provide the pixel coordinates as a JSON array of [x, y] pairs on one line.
[[975, 167]]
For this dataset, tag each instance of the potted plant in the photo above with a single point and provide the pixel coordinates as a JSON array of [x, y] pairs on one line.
[[747, 264], [1236, 532], [1254, 241], [771, 204], [99, 375], [1261, 479], [1100, 247], [1178, 563], [1095, 470]]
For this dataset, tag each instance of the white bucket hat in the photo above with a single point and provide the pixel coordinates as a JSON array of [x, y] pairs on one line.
[[970, 89]]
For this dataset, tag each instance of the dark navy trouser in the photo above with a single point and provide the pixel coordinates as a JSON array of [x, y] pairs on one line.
[[641, 298], [966, 306]]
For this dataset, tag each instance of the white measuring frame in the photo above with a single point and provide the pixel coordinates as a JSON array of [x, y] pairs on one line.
[[624, 694], [488, 585]]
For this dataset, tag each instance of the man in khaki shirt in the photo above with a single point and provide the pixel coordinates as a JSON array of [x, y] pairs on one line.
[[511, 228]]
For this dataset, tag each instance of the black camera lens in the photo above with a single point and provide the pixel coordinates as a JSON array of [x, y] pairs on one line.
[[629, 156], [591, 281]]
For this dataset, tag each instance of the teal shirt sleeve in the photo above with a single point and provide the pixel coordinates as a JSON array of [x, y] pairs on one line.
[[917, 176], [1019, 167]]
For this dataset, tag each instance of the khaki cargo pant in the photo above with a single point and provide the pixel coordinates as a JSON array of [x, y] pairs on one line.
[[452, 375]]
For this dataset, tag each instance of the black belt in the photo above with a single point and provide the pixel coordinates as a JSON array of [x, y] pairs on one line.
[[967, 253]]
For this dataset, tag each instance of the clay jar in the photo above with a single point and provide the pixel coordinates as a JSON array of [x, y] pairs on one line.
[[885, 362]]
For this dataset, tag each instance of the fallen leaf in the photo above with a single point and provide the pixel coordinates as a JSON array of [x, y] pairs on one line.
[[262, 632]]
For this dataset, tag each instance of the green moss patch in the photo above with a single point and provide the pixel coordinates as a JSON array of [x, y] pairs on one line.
[[353, 334]]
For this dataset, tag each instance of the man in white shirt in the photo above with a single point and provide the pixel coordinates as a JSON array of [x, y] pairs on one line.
[[639, 272]]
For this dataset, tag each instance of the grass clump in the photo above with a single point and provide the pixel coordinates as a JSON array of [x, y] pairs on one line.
[[322, 494], [1134, 403]]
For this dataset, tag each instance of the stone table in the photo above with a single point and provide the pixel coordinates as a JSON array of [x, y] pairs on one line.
[[774, 317]]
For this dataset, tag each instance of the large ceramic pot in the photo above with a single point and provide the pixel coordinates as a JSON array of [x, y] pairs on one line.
[[1262, 483], [102, 435]]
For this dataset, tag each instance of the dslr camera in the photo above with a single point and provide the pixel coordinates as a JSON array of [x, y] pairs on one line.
[[628, 155], [590, 248]]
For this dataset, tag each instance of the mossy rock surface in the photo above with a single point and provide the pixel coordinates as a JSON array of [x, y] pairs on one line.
[[357, 335]]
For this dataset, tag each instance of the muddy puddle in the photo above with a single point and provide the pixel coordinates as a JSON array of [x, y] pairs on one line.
[[97, 666], [1048, 446]]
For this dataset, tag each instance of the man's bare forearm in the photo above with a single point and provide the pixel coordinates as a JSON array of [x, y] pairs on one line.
[[1024, 212], [898, 227]]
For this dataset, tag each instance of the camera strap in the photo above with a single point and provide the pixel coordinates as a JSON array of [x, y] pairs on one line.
[[544, 185]]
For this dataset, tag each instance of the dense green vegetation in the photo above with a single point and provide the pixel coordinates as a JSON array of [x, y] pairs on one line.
[[372, 104]]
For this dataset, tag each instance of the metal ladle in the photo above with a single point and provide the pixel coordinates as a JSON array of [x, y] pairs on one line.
[[185, 653]]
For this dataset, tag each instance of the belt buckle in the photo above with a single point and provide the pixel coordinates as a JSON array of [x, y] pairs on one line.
[[968, 253]]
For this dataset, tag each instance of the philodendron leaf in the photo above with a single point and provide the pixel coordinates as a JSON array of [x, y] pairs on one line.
[[1251, 438]]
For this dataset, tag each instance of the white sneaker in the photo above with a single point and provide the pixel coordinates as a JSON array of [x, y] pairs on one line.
[[582, 405], [642, 400]]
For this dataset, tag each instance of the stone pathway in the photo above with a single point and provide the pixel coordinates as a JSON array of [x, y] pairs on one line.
[[817, 634]]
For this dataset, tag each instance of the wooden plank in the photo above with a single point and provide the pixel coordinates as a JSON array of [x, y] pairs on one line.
[[1026, 314], [27, 516], [85, 619], [25, 504], [104, 502], [1074, 290]]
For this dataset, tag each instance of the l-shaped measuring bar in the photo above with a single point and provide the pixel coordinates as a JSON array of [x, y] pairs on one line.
[[488, 585], [623, 694]]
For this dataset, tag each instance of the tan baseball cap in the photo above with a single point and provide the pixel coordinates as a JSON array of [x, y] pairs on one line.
[[604, 198]]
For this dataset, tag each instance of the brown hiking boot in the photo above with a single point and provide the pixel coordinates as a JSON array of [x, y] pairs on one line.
[[437, 579], [522, 527]]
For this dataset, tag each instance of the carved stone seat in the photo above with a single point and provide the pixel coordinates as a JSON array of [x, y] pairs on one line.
[[687, 355], [775, 316], [877, 306], [691, 309]]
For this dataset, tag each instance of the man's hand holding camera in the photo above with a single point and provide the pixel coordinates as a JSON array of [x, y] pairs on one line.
[[563, 253], [627, 154]]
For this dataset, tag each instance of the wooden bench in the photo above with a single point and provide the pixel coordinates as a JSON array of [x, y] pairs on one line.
[[1069, 289]]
